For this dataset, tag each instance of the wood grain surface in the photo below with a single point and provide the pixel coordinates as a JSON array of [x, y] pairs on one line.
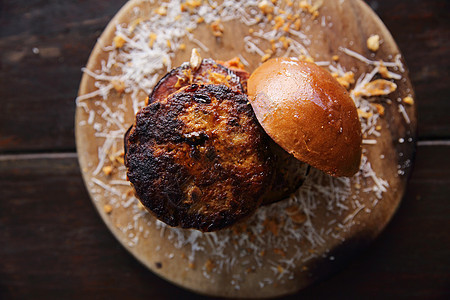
[[54, 245]]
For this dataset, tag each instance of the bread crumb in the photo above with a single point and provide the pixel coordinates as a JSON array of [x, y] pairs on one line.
[[119, 41], [271, 225], [161, 10], [151, 39], [380, 109], [209, 265], [286, 27], [118, 85], [194, 3], [119, 158], [266, 7], [408, 100], [234, 63], [306, 58], [298, 24], [373, 43], [107, 170], [182, 47], [298, 218], [291, 209], [364, 114], [379, 87], [346, 80], [383, 70], [335, 58], [217, 28], [279, 252], [285, 41], [280, 269], [279, 21], [312, 9], [107, 208], [265, 57]]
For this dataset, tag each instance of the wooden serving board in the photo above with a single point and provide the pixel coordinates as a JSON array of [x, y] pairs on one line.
[[273, 253]]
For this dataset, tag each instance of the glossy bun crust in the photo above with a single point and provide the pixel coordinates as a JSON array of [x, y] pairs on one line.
[[199, 159], [308, 113]]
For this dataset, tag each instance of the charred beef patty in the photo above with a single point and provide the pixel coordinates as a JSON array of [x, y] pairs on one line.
[[209, 72], [199, 159]]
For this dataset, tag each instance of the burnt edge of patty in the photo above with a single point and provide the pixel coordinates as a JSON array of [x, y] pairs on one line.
[[191, 178], [209, 72]]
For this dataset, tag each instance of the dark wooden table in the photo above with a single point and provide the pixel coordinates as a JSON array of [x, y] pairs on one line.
[[53, 245]]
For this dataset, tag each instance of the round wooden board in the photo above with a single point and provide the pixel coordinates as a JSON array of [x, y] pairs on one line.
[[341, 222]]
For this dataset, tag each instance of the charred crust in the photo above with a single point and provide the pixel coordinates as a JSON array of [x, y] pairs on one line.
[[199, 164], [184, 76]]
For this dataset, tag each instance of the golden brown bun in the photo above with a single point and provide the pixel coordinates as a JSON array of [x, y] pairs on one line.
[[308, 113]]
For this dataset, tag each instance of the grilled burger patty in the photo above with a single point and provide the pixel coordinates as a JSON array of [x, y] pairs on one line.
[[199, 159]]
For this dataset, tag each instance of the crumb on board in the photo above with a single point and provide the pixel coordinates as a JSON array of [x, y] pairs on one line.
[[161, 10], [373, 43], [383, 71], [209, 265], [118, 85], [312, 9], [307, 58], [266, 7], [298, 24], [266, 57], [217, 28], [151, 39], [280, 269], [279, 251], [119, 41], [380, 109], [408, 100], [107, 170], [107, 208], [345, 80], [378, 87], [364, 114]]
